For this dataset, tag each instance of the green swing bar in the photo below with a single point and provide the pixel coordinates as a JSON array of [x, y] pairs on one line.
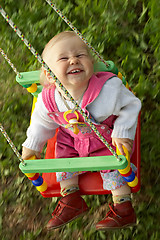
[[73, 164]]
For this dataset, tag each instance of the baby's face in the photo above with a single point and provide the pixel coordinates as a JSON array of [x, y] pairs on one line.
[[70, 62]]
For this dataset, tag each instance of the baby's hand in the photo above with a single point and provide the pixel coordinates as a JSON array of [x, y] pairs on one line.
[[126, 142], [28, 153]]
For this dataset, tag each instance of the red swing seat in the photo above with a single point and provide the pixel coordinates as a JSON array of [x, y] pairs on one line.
[[90, 183]]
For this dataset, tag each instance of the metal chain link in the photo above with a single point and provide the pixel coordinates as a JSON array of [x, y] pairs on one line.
[[9, 62], [11, 144]]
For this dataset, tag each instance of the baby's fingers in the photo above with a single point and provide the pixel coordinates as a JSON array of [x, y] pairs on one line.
[[28, 153], [128, 145], [119, 146]]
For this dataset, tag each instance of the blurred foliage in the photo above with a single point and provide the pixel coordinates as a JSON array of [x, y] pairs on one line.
[[126, 32]]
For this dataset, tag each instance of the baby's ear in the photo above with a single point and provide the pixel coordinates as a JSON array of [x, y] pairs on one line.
[[48, 76]]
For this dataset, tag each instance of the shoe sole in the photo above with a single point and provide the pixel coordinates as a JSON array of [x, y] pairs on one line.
[[116, 228], [80, 215]]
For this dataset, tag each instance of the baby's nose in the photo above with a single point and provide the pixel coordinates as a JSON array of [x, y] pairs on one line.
[[74, 60]]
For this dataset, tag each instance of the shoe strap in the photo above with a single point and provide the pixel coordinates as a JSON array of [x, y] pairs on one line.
[[112, 211], [62, 205]]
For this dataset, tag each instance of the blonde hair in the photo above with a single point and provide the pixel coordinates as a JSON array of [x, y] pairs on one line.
[[66, 34]]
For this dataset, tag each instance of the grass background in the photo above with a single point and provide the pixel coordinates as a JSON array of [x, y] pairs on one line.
[[126, 32]]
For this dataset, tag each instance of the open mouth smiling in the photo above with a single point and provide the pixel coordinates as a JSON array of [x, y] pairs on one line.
[[75, 71]]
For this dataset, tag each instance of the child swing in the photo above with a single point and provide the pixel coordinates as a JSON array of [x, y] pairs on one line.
[[47, 184]]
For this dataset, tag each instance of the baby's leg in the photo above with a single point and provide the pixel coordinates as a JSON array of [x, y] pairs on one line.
[[70, 206], [121, 212], [125, 189], [69, 186], [122, 194]]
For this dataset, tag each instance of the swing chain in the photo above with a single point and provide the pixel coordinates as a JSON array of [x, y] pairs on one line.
[[10, 63], [11, 144]]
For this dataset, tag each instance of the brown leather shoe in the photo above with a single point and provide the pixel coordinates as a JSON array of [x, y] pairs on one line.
[[69, 208], [120, 216]]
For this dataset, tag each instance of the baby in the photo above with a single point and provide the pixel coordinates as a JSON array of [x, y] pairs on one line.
[[111, 107]]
